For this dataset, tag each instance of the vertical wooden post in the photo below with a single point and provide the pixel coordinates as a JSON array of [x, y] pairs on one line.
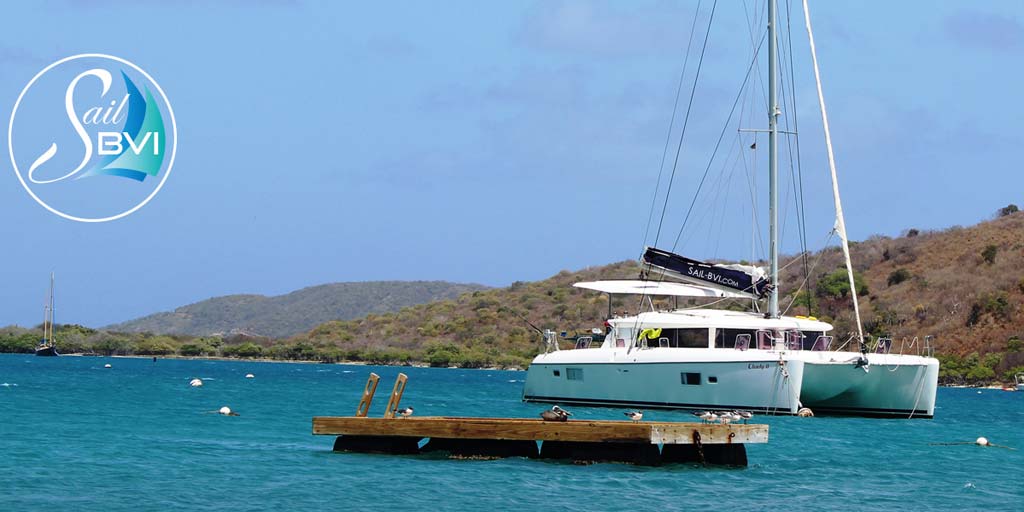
[[368, 391], [396, 395]]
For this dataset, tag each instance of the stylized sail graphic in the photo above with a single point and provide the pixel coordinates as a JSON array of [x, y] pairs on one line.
[[145, 127]]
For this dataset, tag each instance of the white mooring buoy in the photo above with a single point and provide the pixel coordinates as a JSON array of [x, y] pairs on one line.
[[250, 376], [107, 365], [195, 383], [982, 442], [226, 411]]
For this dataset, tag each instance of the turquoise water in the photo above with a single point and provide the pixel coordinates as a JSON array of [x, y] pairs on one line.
[[76, 436]]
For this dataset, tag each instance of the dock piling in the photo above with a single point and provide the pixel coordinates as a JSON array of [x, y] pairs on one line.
[[368, 391], [396, 395]]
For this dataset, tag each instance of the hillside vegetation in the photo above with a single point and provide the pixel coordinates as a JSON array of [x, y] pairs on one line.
[[965, 286], [296, 312]]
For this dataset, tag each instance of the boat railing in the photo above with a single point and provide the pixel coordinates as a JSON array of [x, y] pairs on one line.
[[915, 346], [883, 345], [550, 341], [794, 340], [852, 343]]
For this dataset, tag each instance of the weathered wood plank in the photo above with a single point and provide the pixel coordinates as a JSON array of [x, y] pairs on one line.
[[682, 433], [537, 430]]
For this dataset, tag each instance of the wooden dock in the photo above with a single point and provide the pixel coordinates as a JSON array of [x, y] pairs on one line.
[[639, 442], [581, 440]]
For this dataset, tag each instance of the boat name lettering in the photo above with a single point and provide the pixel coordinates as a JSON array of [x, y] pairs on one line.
[[708, 275], [758, 366]]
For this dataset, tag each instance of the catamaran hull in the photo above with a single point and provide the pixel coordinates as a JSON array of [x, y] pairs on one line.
[[885, 390], [755, 385]]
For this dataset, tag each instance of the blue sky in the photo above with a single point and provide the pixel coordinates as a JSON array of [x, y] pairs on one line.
[[494, 142]]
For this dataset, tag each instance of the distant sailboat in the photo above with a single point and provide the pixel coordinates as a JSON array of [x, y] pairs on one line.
[[46, 345]]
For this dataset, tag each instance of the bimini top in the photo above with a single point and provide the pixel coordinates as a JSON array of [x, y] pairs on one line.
[[634, 287]]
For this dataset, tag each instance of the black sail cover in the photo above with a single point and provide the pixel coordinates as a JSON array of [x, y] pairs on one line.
[[740, 278]]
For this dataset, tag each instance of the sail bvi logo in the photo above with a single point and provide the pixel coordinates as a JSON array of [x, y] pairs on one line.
[[92, 138]]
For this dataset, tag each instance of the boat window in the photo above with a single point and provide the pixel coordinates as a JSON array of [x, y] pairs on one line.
[[689, 379], [574, 373], [809, 338], [726, 338], [682, 338], [622, 334], [557, 373], [712, 380], [692, 338]]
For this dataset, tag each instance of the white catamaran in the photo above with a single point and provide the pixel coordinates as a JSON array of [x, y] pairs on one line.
[[703, 358]]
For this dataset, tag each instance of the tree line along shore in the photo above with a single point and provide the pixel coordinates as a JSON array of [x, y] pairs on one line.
[[991, 369]]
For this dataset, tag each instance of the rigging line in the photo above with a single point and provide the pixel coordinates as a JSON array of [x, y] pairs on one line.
[[716, 202], [724, 203], [671, 124], [723, 299], [807, 278], [752, 24], [802, 208], [686, 121], [786, 96], [717, 145], [752, 188]]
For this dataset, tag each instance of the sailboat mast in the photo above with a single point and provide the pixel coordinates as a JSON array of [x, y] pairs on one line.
[[51, 309], [773, 162]]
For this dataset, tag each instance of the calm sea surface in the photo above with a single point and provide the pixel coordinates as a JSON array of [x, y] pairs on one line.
[[76, 436]]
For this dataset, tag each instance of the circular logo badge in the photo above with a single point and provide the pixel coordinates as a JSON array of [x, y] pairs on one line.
[[92, 137]]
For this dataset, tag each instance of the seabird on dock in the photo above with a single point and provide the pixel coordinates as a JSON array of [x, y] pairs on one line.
[[555, 413], [405, 413], [635, 415], [706, 416], [744, 415]]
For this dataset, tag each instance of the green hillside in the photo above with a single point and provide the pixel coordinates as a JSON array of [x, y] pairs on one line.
[[296, 312]]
